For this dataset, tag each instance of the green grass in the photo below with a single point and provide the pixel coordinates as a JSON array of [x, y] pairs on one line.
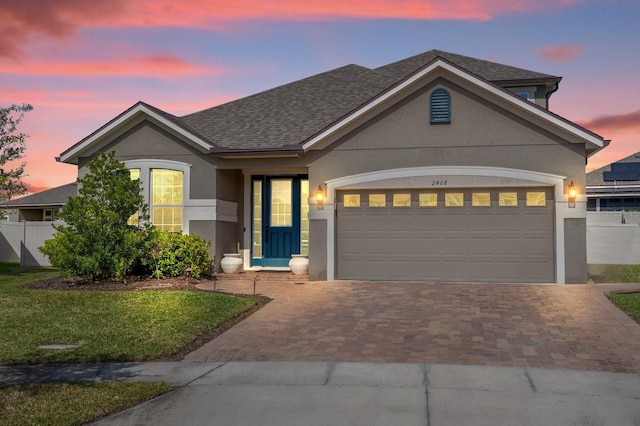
[[107, 326], [629, 303], [71, 404]]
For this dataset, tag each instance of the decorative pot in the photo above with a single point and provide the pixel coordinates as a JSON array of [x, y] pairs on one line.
[[231, 263], [299, 264]]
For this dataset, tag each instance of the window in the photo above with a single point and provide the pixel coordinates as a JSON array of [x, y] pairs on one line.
[[440, 104], [401, 200], [480, 199], [508, 199], [428, 199], [352, 200], [257, 218], [304, 217], [164, 185], [454, 199], [281, 202], [134, 218], [377, 200], [49, 215], [536, 198], [166, 199]]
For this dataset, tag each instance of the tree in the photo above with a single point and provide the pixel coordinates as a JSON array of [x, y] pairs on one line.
[[97, 242], [12, 146]]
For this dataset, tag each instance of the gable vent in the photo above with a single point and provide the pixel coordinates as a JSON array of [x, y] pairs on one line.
[[440, 106]]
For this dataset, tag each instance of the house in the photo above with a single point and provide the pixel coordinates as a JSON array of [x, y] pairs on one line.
[[41, 206], [616, 186], [439, 167]]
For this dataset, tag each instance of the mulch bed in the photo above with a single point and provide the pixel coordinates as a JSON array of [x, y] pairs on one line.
[[146, 284], [127, 284]]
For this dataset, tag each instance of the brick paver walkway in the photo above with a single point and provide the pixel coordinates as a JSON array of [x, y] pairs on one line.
[[546, 326]]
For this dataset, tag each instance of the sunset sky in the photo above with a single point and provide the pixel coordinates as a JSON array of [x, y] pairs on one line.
[[80, 63]]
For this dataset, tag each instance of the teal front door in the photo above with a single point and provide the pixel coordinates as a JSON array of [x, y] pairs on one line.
[[280, 219]]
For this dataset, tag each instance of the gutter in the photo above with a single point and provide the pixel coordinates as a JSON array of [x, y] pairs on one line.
[[286, 151]]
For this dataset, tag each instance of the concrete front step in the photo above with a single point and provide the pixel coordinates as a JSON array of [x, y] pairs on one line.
[[263, 276]]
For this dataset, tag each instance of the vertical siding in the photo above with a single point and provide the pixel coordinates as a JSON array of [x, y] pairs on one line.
[[19, 242], [611, 242]]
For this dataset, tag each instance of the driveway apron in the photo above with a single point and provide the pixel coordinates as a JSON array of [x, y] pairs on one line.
[[540, 326]]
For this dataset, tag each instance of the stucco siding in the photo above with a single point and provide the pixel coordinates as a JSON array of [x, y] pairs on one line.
[[148, 141], [318, 250], [480, 134], [575, 240]]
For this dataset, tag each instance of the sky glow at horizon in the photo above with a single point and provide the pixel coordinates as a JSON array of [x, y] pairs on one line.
[[81, 66]]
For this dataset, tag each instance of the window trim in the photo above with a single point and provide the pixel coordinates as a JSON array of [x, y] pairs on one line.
[[147, 165]]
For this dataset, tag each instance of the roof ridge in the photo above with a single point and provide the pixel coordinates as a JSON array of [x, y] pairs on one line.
[[489, 70]]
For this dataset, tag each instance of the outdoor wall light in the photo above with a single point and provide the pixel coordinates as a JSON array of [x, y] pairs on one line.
[[320, 197], [572, 194]]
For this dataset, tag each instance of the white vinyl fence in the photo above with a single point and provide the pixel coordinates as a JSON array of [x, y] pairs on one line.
[[19, 242], [613, 238]]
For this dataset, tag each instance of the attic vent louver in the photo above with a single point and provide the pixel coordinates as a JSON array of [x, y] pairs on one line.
[[440, 106]]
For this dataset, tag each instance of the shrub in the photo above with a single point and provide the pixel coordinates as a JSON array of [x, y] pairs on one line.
[[96, 242], [170, 255]]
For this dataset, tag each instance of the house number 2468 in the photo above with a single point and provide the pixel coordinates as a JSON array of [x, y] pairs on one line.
[[439, 182]]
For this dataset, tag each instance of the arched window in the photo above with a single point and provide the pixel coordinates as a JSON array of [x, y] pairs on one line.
[[440, 103], [165, 187]]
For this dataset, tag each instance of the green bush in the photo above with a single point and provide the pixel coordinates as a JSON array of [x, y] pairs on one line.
[[96, 242], [171, 254]]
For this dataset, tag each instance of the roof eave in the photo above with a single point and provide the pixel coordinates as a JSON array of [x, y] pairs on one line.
[[527, 81], [287, 151]]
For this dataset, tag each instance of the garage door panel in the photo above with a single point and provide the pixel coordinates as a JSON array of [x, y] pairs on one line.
[[469, 243]]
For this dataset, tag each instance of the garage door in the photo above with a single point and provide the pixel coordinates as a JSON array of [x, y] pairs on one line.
[[452, 235]]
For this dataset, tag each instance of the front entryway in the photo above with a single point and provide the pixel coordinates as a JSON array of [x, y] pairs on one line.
[[280, 219]]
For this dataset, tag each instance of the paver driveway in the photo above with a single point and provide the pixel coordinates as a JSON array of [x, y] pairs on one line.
[[547, 326]]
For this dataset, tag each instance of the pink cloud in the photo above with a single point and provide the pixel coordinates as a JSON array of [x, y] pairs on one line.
[[160, 66], [24, 19], [620, 122], [560, 53]]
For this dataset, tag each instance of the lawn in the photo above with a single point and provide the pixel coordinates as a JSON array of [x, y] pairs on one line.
[[629, 303], [71, 404], [106, 326]]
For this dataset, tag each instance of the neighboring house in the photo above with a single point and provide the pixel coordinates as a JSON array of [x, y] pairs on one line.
[[38, 207], [616, 186], [439, 167]]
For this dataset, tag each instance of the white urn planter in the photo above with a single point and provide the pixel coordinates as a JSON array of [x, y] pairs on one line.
[[299, 264], [231, 263]]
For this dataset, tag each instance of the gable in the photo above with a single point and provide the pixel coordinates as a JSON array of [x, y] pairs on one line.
[[441, 69], [129, 119]]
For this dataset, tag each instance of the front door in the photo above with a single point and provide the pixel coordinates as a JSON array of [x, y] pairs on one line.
[[279, 218]]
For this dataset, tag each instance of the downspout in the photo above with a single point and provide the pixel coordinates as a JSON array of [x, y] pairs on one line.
[[551, 92]]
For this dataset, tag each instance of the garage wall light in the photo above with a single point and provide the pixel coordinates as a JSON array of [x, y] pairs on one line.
[[572, 194], [320, 197]]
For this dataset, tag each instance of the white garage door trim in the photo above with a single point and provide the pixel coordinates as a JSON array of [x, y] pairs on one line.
[[377, 179]]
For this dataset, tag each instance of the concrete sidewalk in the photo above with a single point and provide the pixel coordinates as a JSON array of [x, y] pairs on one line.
[[324, 393]]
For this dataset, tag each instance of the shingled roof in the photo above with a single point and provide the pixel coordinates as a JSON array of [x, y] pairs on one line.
[[283, 118], [290, 114], [490, 71], [596, 178], [57, 196]]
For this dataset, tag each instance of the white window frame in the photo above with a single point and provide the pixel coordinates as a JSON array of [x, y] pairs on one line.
[[146, 166]]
